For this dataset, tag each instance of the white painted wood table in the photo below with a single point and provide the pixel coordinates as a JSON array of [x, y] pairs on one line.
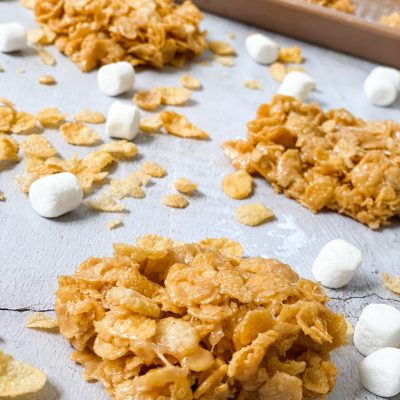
[[35, 251]]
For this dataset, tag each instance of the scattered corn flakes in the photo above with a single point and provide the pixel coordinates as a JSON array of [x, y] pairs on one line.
[[45, 56], [252, 84], [148, 100], [38, 146], [50, 117], [290, 55], [237, 185], [151, 123], [105, 202], [226, 61], [40, 320], [175, 201], [120, 149], [392, 20], [178, 125], [185, 186], [173, 96], [78, 134], [225, 246], [8, 149], [221, 48], [18, 378], [114, 224], [253, 214], [392, 283], [153, 169], [23, 122], [89, 117], [47, 80], [190, 82]]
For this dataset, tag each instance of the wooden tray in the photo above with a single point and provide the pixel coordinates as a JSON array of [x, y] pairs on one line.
[[359, 34]]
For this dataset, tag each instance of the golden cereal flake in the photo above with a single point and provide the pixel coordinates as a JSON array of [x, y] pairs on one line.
[[278, 71], [346, 6], [50, 117], [24, 122], [224, 245], [173, 96], [7, 118], [153, 169], [89, 117], [253, 214], [148, 100], [290, 55], [392, 283], [185, 186], [129, 186], [392, 20], [39, 320], [46, 57], [120, 149], [175, 201], [105, 202], [151, 123], [226, 61], [38, 146], [190, 82], [237, 185], [114, 224], [221, 48], [8, 148], [2, 196], [6, 102], [350, 328], [252, 84], [47, 80], [78, 134], [18, 378], [178, 125]]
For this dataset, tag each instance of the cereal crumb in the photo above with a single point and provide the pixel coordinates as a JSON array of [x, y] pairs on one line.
[[78, 134], [2, 68], [175, 201], [2, 196], [105, 202], [252, 84], [290, 55], [45, 56], [153, 169], [221, 48], [226, 61], [89, 117], [190, 82], [40, 320], [237, 185], [185, 186], [114, 224], [392, 283], [47, 80], [253, 214]]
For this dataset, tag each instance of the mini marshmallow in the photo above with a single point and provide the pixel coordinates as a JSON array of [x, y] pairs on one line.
[[13, 37], [377, 327], [337, 263], [261, 48], [114, 79], [387, 73], [380, 372], [297, 84], [122, 121], [380, 91], [55, 195]]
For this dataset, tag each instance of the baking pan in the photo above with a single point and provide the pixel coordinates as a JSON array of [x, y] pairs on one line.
[[359, 34]]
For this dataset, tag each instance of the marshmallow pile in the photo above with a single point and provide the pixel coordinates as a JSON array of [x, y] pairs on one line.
[[13, 37], [382, 86]]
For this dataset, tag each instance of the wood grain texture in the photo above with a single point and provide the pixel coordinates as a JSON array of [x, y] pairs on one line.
[[35, 251]]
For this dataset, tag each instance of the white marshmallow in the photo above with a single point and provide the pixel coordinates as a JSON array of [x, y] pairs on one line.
[[114, 79], [122, 121], [12, 37], [388, 73], [377, 327], [55, 195], [380, 91], [261, 48], [297, 84], [337, 263], [380, 372]]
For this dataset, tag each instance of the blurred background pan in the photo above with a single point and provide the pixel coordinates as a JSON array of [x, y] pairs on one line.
[[359, 34]]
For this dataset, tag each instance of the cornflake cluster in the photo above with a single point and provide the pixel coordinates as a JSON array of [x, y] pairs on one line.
[[323, 160], [163, 319], [142, 32]]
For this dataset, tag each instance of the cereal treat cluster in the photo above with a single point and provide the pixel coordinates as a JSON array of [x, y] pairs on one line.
[[143, 32], [323, 160], [346, 6], [166, 320]]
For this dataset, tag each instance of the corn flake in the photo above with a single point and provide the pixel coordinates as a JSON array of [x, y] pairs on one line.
[[190, 82], [237, 185], [40, 320], [114, 224], [252, 84], [18, 378], [78, 134], [226, 61], [105, 202], [120, 149], [148, 100], [221, 48], [89, 117], [290, 55], [178, 125], [175, 201], [278, 71], [185, 186], [392, 283], [8, 149], [253, 214], [224, 245], [129, 186], [7, 117], [153, 169], [151, 123], [45, 56], [50, 117], [38, 146], [173, 96], [23, 123], [47, 80]]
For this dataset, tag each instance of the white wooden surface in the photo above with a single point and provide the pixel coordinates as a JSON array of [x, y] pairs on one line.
[[35, 251]]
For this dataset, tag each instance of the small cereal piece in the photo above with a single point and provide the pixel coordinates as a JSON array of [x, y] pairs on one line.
[[78, 134], [24, 122], [6, 102], [148, 100], [122, 121], [114, 224], [277, 71], [120, 149], [185, 186], [297, 84], [221, 48], [173, 96], [47, 80], [261, 48], [46, 57], [237, 185], [290, 55], [153, 169], [178, 125], [50, 117], [89, 117], [38, 146], [224, 245], [392, 283], [18, 378], [2, 197], [106, 203], [190, 82], [175, 201], [392, 20], [226, 61], [2, 68], [7, 118], [253, 214], [129, 186], [13, 37], [116, 78], [40, 320], [252, 84], [8, 149], [151, 123]]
